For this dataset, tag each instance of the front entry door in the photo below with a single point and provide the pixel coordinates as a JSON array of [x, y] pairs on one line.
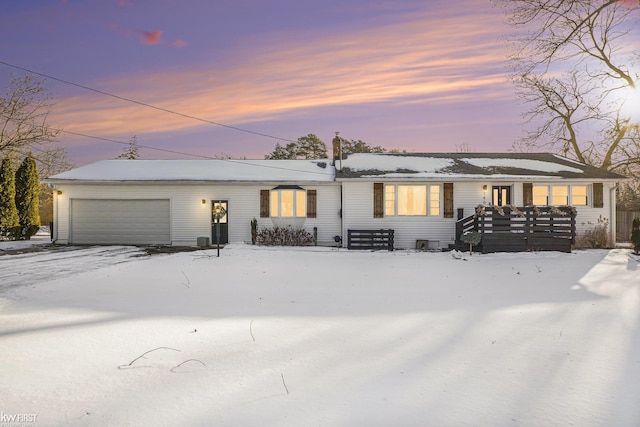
[[501, 196], [224, 222]]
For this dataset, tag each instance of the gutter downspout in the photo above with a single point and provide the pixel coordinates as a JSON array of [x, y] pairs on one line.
[[612, 214], [55, 217]]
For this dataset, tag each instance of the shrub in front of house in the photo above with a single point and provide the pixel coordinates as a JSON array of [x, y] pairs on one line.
[[596, 237], [284, 236]]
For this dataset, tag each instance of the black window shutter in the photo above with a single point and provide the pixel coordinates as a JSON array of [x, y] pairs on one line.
[[448, 199], [264, 203], [378, 200], [312, 204], [527, 194], [598, 195]]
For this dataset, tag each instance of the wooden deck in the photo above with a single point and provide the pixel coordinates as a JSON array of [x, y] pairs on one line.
[[519, 229]]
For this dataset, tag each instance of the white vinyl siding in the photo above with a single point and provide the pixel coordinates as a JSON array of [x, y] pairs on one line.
[[190, 218], [357, 212]]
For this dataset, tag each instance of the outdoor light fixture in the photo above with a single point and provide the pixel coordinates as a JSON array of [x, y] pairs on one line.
[[59, 192], [204, 202], [484, 187]]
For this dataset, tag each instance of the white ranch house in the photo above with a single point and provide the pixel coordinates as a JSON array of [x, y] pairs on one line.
[[419, 196]]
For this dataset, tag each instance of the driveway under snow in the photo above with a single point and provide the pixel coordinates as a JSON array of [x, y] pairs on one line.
[[319, 336]]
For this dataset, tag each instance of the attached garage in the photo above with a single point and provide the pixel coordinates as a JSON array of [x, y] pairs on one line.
[[120, 221]]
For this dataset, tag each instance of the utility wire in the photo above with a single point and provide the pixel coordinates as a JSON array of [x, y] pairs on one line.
[[99, 138], [167, 111], [244, 162], [144, 104]]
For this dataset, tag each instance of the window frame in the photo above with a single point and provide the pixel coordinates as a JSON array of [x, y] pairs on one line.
[[553, 192], [296, 206], [586, 195], [501, 195], [392, 200], [560, 191], [534, 196]]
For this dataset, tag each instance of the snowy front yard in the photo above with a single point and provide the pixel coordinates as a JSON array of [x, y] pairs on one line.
[[319, 336]]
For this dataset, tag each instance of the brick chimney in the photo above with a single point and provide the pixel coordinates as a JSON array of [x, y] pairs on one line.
[[337, 150]]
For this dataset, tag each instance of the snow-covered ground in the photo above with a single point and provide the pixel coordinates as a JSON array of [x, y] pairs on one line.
[[320, 336]]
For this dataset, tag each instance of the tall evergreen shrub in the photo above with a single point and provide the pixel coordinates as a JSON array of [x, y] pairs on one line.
[[27, 192], [635, 235], [9, 220]]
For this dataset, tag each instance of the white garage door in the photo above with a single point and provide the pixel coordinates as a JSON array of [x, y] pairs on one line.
[[125, 222]]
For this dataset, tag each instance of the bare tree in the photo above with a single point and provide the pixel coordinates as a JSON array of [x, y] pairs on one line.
[[575, 64], [24, 110], [465, 147], [25, 106]]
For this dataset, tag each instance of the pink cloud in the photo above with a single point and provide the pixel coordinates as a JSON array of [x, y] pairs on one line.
[[150, 37], [630, 3], [179, 43], [432, 66], [124, 3]]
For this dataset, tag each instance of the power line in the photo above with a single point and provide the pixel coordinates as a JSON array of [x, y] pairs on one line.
[[244, 162], [167, 111], [99, 138], [144, 104]]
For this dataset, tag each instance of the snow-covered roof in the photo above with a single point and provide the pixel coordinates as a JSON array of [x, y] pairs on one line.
[[455, 166], [201, 170], [467, 165]]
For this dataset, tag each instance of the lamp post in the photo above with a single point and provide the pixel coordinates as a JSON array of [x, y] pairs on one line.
[[218, 212]]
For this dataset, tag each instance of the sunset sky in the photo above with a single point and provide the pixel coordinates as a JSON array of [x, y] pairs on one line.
[[425, 76]]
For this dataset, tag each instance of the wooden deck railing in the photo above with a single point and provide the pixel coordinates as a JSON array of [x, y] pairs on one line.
[[521, 228]]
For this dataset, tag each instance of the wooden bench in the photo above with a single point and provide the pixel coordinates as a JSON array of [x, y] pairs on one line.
[[370, 239]]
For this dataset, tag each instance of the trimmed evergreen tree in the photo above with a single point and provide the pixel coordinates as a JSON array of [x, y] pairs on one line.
[[9, 221], [635, 235], [27, 192]]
